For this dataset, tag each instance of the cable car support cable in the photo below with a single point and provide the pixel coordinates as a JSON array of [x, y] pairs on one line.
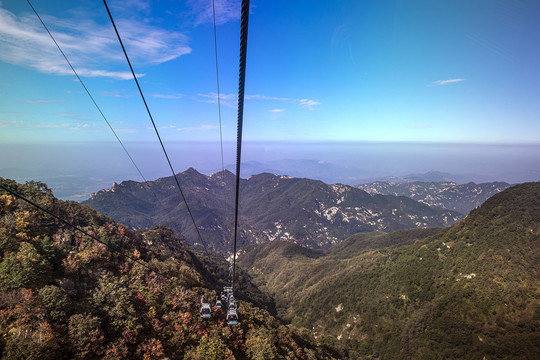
[[91, 98], [241, 87], [218, 94], [156, 130], [110, 246]]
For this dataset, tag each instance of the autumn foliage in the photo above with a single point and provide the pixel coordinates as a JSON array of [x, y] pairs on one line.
[[65, 296]]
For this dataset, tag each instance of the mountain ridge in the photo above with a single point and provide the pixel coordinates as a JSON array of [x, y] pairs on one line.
[[271, 207], [449, 195]]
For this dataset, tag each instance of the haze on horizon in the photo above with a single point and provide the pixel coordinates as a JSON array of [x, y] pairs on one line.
[[382, 87]]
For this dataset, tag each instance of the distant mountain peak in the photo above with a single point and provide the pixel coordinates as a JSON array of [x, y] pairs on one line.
[[191, 170], [224, 172]]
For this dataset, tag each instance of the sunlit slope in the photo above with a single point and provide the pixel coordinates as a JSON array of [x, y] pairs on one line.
[[64, 296], [468, 291]]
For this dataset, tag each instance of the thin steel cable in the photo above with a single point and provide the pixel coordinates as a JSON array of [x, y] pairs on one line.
[[218, 95], [241, 86], [155, 128], [92, 98], [112, 247]]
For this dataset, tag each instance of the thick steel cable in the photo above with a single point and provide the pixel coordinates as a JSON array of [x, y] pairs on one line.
[[112, 247], [218, 95], [155, 128], [92, 98], [241, 85]]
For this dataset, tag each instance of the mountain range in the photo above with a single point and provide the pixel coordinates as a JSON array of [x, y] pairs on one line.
[[272, 207], [468, 291], [448, 195], [430, 176]]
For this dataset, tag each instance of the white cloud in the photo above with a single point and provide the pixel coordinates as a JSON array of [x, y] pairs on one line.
[[276, 111], [29, 124], [230, 99], [264, 97], [43, 125], [9, 123], [226, 10], [168, 96], [445, 82], [79, 117], [308, 104], [113, 94], [79, 127], [50, 101], [87, 44], [202, 127], [136, 5]]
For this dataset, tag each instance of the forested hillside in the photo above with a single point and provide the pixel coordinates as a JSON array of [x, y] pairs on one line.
[[65, 296], [470, 291]]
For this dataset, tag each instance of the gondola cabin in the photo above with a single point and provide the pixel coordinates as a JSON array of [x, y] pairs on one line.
[[232, 317], [206, 310]]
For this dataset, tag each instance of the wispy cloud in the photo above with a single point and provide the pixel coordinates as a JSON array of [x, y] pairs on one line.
[[445, 82], [276, 111], [230, 99], [80, 127], [43, 125], [494, 48], [264, 97], [113, 94], [168, 96], [15, 112], [79, 117], [88, 44], [308, 104], [136, 5], [202, 127], [49, 101], [9, 123], [226, 10]]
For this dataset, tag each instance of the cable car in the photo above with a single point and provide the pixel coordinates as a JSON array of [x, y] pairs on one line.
[[232, 305], [218, 303], [232, 317], [206, 309]]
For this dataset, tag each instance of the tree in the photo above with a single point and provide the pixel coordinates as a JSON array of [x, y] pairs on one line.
[[55, 303], [24, 269], [86, 336]]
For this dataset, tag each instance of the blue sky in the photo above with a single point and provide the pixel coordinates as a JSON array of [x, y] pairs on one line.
[[437, 71]]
